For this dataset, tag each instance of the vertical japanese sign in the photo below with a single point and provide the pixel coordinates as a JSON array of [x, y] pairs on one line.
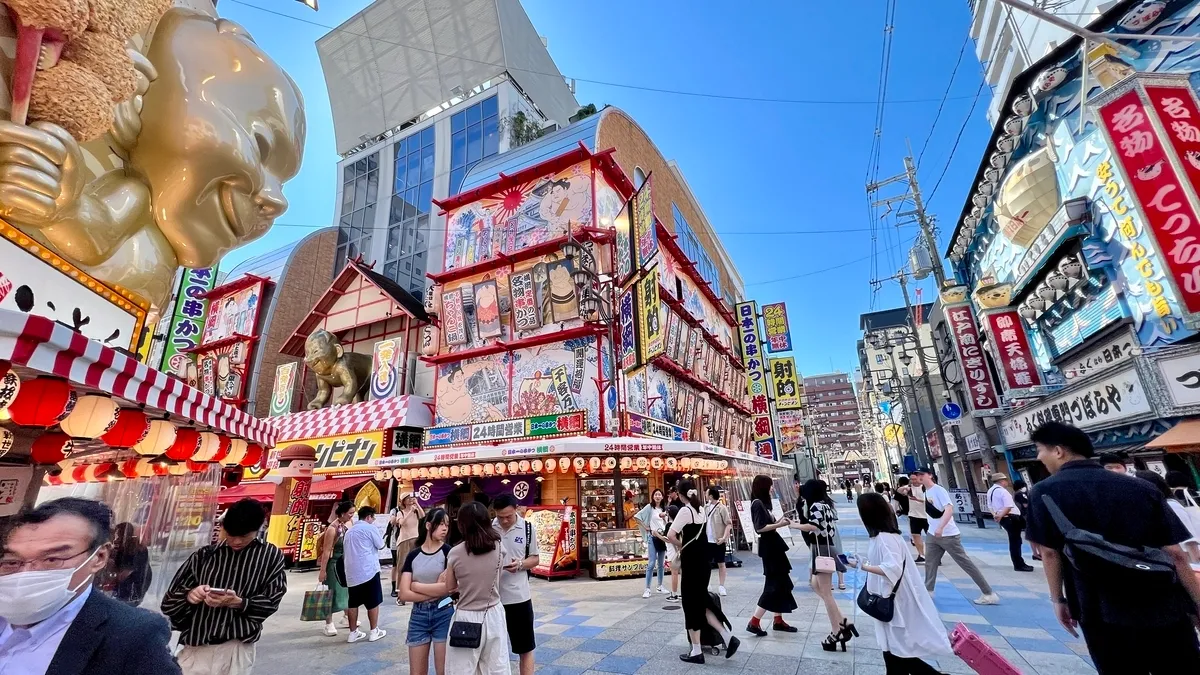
[[645, 240], [454, 327], [524, 301], [385, 371], [976, 376], [623, 247], [187, 319], [627, 309], [1136, 133], [762, 431], [653, 339], [786, 383], [284, 388], [1011, 350], [775, 325]]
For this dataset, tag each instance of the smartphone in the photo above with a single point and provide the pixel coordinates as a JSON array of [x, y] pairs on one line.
[[445, 601], [843, 558], [218, 591]]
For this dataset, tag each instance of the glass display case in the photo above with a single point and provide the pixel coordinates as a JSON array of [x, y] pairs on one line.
[[617, 553], [597, 504]]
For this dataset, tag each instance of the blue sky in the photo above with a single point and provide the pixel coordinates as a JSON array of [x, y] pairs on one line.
[[761, 170]]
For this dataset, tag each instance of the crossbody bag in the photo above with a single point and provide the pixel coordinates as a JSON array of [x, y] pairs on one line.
[[879, 607], [469, 634]]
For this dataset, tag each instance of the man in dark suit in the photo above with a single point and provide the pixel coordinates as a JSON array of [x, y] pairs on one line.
[[52, 620]]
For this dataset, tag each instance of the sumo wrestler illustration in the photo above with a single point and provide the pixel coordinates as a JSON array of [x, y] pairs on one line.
[[192, 165], [335, 367]]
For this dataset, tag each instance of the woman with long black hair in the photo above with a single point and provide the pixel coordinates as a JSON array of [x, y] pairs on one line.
[[420, 572], [652, 521], [819, 523], [699, 607], [776, 596]]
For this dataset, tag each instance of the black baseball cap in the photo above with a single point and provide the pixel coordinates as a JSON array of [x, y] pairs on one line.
[[922, 469]]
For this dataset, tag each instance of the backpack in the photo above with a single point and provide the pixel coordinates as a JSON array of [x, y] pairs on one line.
[[1097, 559]]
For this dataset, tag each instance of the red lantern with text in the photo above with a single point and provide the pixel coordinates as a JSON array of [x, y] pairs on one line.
[[187, 441], [222, 450], [42, 402], [254, 455], [130, 428], [51, 448]]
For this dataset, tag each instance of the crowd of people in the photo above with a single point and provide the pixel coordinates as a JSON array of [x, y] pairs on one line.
[[1116, 547]]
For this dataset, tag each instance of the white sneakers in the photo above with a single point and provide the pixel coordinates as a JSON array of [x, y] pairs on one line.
[[330, 630], [662, 590], [721, 591], [988, 599], [356, 635], [646, 593]]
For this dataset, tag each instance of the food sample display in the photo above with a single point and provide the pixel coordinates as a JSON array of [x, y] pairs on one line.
[[617, 553], [597, 504]]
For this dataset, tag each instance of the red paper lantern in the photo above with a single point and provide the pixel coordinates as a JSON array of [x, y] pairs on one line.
[[79, 473], [98, 473], [254, 455], [42, 402], [222, 450], [187, 442], [51, 448], [194, 466], [129, 430], [130, 467]]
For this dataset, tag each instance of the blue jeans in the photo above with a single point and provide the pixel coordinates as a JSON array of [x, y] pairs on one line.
[[428, 623], [657, 559]]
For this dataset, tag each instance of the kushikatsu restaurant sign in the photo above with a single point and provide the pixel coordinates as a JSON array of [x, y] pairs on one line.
[[640, 425], [539, 426], [756, 380], [1010, 347], [1104, 402], [976, 375], [1153, 125]]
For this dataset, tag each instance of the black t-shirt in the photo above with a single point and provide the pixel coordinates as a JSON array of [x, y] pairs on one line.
[[1124, 510]]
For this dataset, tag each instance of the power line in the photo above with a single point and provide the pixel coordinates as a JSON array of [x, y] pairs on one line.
[[942, 105], [820, 271], [620, 85], [723, 233]]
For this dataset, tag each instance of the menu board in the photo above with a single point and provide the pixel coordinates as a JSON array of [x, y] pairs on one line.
[[556, 532]]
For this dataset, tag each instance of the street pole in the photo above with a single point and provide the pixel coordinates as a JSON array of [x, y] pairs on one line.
[[947, 468]]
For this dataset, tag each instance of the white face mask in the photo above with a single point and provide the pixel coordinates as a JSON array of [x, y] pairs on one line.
[[27, 598]]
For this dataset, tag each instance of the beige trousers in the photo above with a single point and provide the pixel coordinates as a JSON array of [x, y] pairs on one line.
[[227, 658]]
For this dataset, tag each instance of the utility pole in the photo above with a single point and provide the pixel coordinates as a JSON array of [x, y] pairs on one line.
[[939, 274]]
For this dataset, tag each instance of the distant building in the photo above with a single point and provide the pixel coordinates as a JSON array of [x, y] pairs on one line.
[[833, 414]]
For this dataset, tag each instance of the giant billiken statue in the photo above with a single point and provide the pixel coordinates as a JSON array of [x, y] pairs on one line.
[[191, 166]]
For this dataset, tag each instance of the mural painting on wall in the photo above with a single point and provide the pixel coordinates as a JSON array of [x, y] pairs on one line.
[[564, 301], [223, 370], [487, 310], [473, 390], [675, 279], [613, 211], [519, 217], [635, 392], [234, 314]]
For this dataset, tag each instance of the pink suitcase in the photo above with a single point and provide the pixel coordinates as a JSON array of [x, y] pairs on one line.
[[978, 654]]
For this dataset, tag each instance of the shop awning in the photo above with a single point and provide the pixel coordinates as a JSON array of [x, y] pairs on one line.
[[263, 492], [1179, 438], [332, 488], [352, 418], [51, 348]]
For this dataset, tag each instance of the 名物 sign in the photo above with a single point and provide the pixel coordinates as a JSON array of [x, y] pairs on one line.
[[1102, 403], [526, 315], [187, 319], [645, 239], [283, 389], [640, 425], [775, 324], [762, 431], [977, 378], [539, 426], [1013, 356], [651, 335], [787, 383]]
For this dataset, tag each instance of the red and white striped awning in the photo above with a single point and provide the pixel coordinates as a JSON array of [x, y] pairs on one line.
[[388, 413], [53, 349]]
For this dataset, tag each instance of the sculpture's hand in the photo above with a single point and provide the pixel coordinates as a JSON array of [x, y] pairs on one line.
[[39, 172]]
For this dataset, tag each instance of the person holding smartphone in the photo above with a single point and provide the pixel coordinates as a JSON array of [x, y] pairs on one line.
[[421, 584], [520, 555]]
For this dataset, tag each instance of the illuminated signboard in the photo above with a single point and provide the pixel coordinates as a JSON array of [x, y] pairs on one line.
[[538, 426]]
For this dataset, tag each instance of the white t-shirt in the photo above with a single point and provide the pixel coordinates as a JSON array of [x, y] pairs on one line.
[[916, 501], [362, 544], [940, 499], [514, 586], [999, 499]]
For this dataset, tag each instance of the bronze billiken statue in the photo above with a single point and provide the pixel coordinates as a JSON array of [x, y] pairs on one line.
[[335, 367], [192, 167]]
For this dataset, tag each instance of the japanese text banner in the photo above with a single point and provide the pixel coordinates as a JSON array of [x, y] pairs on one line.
[[1010, 349], [763, 431], [976, 376]]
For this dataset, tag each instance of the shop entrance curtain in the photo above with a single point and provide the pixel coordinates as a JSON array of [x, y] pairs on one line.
[[522, 486]]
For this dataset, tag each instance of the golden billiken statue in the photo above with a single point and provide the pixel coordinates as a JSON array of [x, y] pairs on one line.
[[213, 131]]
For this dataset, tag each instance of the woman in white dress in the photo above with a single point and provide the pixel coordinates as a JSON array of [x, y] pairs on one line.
[[915, 631]]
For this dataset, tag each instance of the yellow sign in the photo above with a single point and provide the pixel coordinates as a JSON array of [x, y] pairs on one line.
[[621, 568], [310, 538], [894, 434], [653, 340], [351, 453], [788, 389]]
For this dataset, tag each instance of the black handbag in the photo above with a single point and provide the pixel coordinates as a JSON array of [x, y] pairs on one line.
[[469, 634], [879, 607]]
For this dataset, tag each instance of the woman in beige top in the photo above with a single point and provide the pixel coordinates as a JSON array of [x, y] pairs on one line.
[[404, 522], [473, 569]]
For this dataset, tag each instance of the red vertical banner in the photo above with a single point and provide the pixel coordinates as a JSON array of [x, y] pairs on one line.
[[1139, 142], [976, 376], [1180, 116], [1011, 350]]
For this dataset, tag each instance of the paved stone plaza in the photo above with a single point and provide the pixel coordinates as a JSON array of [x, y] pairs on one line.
[[586, 626]]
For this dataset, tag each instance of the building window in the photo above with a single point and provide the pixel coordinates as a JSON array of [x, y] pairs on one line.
[[360, 191], [406, 257], [690, 243], [474, 135], [639, 177]]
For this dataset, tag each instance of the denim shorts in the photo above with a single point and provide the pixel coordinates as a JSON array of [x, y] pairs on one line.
[[428, 623]]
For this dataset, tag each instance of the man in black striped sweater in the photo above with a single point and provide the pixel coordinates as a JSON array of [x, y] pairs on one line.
[[220, 597]]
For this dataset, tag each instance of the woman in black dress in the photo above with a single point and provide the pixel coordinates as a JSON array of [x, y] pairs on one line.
[[777, 588], [700, 608]]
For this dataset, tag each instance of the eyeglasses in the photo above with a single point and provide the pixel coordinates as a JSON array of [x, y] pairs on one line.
[[47, 564]]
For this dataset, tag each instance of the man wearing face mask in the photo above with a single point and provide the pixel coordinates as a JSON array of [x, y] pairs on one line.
[[223, 593], [51, 618]]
